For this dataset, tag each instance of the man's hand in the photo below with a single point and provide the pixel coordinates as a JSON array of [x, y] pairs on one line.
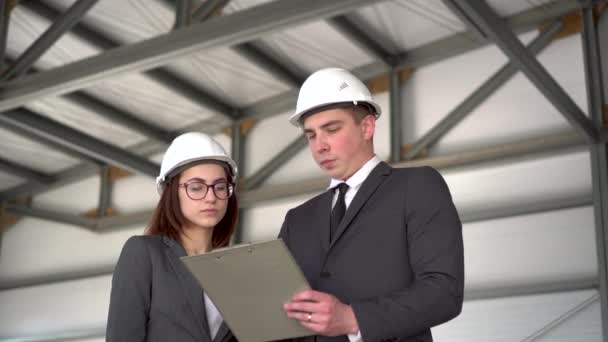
[[322, 313]]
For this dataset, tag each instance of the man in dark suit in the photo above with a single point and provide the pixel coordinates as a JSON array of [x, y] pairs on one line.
[[382, 247]]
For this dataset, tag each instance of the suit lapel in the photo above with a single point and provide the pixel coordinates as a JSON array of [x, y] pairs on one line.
[[190, 286], [222, 332], [369, 186], [322, 221]]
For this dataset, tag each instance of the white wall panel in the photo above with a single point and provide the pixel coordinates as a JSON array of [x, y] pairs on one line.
[[551, 247], [51, 309], [74, 198], [529, 180], [264, 221], [515, 318], [35, 248]]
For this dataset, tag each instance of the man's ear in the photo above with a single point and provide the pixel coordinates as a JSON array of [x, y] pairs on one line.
[[368, 127]]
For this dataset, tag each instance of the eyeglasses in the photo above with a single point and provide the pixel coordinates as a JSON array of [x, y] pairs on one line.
[[198, 190]]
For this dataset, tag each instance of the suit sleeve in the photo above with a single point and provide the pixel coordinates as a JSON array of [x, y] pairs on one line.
[[435, 248], [284, 232], [130, 296]]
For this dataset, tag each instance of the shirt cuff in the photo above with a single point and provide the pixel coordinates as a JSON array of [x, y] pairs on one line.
[[355, 337]]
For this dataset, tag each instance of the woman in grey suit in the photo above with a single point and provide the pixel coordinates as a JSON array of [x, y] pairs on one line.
[[154, 297]]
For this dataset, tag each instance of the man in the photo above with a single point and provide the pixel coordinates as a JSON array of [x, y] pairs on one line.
[[382, 248]]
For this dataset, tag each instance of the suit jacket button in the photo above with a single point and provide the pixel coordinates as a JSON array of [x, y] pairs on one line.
[[325, 274]]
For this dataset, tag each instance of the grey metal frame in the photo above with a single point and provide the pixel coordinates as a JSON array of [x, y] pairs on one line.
[[49, 37], [480, 23], [229, 30], [206, 9], [25, 172], [595, 68], [77, 141], [396, 128], [485, 17], [105, 191], [183, 10], [162, 76], [478, 96], [4, 24], [424, 55], [275, 163]]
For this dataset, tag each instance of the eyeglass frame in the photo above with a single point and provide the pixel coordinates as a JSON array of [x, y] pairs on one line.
[[207, 187]]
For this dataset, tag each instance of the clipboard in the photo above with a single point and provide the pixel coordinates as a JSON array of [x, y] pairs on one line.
[[249, 283]]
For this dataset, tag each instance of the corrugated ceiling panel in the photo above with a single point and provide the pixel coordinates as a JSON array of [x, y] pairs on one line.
[[151, 101], [230, 77], [32, 154], [317, 45], [26, 27], [409, 24], [507, 8], [79, 118]]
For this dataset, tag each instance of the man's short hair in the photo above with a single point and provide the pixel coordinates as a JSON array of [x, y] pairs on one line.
[[359, 111]]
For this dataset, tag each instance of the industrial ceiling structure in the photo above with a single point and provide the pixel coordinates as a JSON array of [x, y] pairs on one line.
[[92, 87]]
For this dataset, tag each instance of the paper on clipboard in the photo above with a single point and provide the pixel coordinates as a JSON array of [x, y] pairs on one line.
[[249, 284]]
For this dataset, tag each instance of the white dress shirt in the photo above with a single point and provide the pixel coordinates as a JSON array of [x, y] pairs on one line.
[[214, 318], [354, 184]]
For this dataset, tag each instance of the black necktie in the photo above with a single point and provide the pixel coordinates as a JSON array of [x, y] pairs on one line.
[[338, 211]]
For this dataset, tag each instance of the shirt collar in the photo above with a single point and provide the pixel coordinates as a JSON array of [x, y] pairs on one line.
[[358, 177]]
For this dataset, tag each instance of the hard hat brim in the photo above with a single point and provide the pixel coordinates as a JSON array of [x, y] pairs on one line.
[[160, 181], [295, 118]]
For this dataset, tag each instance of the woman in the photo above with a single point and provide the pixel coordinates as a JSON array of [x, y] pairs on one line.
[[154, 297]]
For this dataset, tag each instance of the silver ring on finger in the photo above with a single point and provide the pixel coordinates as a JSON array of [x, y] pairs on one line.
[[309, 317]]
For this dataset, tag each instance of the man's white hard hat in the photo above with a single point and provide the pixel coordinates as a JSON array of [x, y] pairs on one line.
[[188, 148], [331, 86]]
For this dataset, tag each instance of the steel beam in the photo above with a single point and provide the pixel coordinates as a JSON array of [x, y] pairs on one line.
[[117, 115], [542, 146], [535, 147], [421, 56], [238, 154], [105, 191], [229, 30], [183, 9], [162, 76], [352, 26], [50, 215], [206, 9], [396, 117], [483, 92], [424, 55], [47, 142], [49, 37], [258, 53], [25, 172], [4, 24], [78, 141], [85, 170], [494, 26], [472, 27], [530, 289], [286, 154], [519, 209], [254, 53], [595, 62]]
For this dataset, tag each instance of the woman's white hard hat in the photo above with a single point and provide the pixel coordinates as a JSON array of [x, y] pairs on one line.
[[188, 148], [331, 86]]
